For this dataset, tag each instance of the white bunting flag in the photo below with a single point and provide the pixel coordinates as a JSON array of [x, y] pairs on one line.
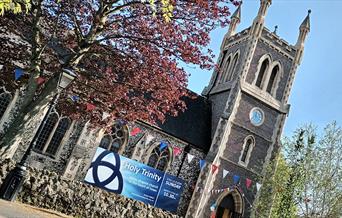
[[190, 157], [149, 138], [225, 172], [105, 115], [258, 185]]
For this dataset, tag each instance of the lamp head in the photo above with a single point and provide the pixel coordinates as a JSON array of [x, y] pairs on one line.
[[65, 78]]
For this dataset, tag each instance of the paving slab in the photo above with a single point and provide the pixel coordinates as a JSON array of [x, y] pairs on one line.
[[19, 210]]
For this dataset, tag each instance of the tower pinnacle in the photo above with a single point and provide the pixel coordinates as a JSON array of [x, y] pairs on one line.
[[259, 20], [235, 20], [304, 29], [306, 23]]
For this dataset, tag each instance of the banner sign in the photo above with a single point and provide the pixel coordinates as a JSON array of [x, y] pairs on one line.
[[121, 175]]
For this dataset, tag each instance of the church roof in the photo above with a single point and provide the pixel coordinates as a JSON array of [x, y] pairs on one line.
[[193, 125]]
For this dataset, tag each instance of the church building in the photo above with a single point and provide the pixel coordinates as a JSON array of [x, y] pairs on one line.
[[219, 145]]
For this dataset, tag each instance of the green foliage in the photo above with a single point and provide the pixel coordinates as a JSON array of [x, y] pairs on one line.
[[307, 180], [273, 188], [15, 6]]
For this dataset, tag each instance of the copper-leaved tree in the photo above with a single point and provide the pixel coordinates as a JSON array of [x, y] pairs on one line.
[[126, 55]]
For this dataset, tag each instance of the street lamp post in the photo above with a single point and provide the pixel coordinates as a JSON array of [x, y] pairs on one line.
[[15, 178]]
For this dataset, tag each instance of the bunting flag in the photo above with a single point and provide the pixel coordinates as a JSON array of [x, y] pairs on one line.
[[75, 98], [122, 122], [190, 157], [18, 73], [202, 163], [148, 139], [225, 173], [90, 107], [213, 207], [135, 131], [248, 183], [177, 151], [307, 200], [236, 179], [212, 215], [40, 80], [105, 115], [258, 186], [213, 168], [162, 145]]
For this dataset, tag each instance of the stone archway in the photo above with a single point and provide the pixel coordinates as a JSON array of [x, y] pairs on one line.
[[230, 205]]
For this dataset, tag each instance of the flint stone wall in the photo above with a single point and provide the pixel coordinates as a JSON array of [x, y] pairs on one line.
[[48, 190]]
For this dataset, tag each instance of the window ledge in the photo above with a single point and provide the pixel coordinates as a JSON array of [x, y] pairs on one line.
[[45, 155], [264, 97], [222, 87]]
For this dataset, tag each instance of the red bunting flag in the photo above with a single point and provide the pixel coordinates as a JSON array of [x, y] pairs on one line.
[[248, 183], [40, 80], [214, 168], [177, 151], [90, 107], [307, 200], [135, 131], [213, 215]]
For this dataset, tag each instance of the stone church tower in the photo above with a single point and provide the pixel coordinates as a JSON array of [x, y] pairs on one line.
[[235, 126], [249, 102]]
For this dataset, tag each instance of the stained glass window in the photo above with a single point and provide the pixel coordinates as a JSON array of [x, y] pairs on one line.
[[117, 139], [159, 159]]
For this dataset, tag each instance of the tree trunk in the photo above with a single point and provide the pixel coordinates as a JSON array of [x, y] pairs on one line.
[[17, 132], [25, 105]]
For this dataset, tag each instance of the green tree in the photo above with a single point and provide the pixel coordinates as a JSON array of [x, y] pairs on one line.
[[273, 188], [307, 180], [15, 6]]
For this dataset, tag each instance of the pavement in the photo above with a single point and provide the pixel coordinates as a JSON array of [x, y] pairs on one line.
[[19, 210]]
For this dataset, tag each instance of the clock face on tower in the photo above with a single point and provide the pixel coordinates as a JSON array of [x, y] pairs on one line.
[[256, 116]]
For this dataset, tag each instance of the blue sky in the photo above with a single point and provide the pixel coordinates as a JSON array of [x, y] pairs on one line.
[[317, 91]]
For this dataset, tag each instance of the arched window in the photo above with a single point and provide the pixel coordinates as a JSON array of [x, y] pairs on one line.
[[5, 100], [246, 150], [52, 134], [272, 80], [58, 135], [159, 159], [106, 141], [232, 69], [224, 69], [223, 58], [261, 73], [117, 139], [46, 131]]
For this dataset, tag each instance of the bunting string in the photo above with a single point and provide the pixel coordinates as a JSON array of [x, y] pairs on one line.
[[237, 180]]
